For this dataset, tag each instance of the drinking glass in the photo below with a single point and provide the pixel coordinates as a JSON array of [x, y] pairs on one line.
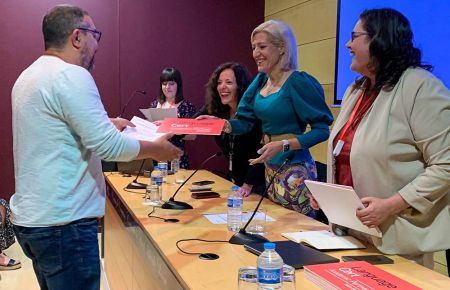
[[258, 224], [247, 278], [288, 277]]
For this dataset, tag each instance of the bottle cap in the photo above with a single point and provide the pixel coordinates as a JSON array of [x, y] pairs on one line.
[[269, 246], [234, 187]]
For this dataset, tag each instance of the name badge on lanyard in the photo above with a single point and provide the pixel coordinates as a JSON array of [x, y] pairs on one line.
[[230, 166], [340, 143], [337, 149]]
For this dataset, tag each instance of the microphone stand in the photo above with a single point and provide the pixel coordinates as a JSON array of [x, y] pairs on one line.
[[135, 184], [242, 237], [132, 95], [172, 203]]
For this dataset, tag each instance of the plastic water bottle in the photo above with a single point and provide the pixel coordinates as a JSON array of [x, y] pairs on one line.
[[270, 269], [163, 166], [175, 166], [234, 215], [156, 186]]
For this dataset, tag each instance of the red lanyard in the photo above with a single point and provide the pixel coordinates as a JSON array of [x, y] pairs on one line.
[[340, 142]]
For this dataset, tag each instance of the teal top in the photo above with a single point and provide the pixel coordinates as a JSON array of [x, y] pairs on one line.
[[299, 102]]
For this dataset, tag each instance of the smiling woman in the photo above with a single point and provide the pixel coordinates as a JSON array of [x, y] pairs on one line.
[[285, 101], [396, 118], [224, 90]]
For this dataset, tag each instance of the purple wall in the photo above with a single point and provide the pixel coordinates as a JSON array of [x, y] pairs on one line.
[[140, 37]]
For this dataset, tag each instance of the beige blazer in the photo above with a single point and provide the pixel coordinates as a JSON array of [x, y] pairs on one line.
[[403, 145]]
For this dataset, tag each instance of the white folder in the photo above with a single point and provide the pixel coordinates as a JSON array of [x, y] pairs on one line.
[[339, 203], [156, 114]]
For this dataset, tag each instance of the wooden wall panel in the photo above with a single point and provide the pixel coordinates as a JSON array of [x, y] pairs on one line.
[[274, 6], [318, 59], [311, 21]]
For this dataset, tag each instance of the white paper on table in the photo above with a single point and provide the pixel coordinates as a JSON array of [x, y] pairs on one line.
[[324, 240], [156, 114], [144, 130], [221, 218], [339, 203]]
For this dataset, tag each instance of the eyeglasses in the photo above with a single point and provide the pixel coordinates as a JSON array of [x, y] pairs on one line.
[[97, 34], [358, 34]]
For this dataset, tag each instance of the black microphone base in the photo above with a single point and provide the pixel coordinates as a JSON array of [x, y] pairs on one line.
[[136, 185], [172, 204], [243, 238]]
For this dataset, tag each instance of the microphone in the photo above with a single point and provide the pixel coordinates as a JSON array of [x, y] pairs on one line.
[[135, 184], [242, 237], [131, 97], [172, 203]]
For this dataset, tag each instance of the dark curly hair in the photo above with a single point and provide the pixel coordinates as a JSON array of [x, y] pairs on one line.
[[171, 74], [213, 103], [391, 47]]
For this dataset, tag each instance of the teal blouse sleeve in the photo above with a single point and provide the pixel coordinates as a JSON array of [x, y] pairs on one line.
[[310, 108]]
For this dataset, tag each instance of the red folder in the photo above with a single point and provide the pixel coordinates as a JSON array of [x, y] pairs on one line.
[[191, 126], [354, 275]]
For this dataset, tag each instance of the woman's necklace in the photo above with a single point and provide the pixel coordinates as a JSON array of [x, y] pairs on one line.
[[272, 87]]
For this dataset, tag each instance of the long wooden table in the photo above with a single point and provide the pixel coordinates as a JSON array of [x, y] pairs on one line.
[[140, 252]]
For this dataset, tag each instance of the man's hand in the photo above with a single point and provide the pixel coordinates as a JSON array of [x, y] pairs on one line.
[[160, 149], [377, 210], [121, 123]]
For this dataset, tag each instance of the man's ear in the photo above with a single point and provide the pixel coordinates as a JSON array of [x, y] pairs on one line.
[[75, 38]]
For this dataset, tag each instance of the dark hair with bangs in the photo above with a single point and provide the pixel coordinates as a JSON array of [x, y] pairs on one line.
[[171, 74], [213, 102], [391, 47], [59, 22]]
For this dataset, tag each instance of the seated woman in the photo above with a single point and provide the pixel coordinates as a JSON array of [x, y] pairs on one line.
[[171, 96], [391, 140], [224, 90], [6, 238]]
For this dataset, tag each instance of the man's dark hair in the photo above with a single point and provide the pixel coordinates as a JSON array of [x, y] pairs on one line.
[[171, 74], [59, 22]]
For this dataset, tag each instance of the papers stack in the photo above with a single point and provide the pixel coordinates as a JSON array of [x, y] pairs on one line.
[[324, 240], [144, 130]]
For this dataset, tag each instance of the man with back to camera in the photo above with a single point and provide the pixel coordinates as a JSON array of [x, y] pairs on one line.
[[61, 131]]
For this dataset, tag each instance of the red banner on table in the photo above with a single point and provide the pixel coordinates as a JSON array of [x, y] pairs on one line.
[[191, 126]]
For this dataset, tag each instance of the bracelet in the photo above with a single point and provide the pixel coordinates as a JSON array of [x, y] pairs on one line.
[[227, 127]]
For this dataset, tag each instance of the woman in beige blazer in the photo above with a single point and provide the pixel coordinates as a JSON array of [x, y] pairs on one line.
[[391, 141]]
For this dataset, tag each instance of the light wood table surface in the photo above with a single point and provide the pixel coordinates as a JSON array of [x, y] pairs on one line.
[[140, 252]]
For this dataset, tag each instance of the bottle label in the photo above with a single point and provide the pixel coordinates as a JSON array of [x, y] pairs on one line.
[[234, 203], [269, 276], [158, 180]]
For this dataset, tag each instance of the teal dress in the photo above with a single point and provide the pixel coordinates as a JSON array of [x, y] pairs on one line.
[[298, 103]]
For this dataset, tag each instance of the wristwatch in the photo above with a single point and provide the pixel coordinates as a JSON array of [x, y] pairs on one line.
[[285, 145]]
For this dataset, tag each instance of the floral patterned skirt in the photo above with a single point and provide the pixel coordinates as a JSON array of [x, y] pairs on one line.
[[6, 230], [288, 188]]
